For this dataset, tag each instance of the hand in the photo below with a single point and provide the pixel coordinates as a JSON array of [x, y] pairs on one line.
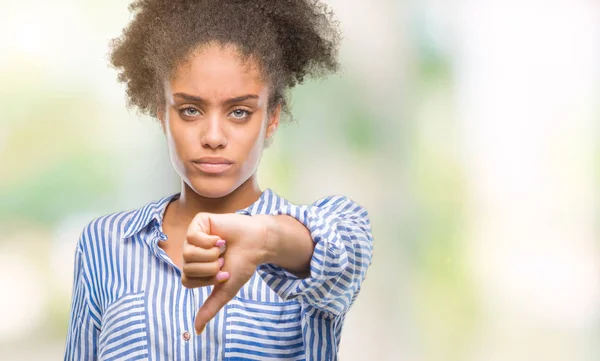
[[201, 260], [247, 243]]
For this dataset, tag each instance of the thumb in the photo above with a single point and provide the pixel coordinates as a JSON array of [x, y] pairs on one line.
[[218, 298]]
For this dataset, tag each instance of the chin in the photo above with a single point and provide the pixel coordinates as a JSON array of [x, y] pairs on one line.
[[211, 187]]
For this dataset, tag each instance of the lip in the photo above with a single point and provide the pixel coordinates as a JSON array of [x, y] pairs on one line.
[[212, 165]]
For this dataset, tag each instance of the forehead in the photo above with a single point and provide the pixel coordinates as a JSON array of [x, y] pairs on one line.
[[217, 71]]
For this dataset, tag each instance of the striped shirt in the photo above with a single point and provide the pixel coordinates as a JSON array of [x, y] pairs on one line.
[[129, 304]]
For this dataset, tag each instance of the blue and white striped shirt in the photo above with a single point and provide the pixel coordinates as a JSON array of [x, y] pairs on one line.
[[129, 303]]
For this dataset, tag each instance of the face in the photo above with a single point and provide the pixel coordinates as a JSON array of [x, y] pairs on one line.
[[216, 120]]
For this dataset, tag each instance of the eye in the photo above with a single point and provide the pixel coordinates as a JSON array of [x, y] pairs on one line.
[[240, 113], [189, 112]]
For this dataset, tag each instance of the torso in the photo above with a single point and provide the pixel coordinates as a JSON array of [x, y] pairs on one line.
[[144, 299]]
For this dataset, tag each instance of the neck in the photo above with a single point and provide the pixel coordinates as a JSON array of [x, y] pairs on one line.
[[191, 203]]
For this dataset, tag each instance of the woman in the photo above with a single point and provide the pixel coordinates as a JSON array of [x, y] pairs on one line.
[[268, 279]]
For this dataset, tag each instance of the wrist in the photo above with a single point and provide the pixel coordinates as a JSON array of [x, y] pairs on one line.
[[287, 244], [271, 238]]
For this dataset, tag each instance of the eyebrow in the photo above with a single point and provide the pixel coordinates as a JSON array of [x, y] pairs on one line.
[[198, 99]]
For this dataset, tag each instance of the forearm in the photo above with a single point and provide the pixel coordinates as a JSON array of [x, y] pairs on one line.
[[289, 243], [339, 246]]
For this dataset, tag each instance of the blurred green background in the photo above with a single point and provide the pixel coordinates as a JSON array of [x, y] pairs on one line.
[[468, 129]]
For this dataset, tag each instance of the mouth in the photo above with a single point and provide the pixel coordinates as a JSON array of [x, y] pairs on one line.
[[212, 165]]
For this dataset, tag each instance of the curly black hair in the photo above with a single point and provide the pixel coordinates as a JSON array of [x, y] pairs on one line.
[[290, 40]]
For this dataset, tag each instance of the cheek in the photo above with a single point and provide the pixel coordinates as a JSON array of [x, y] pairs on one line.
[[177, 144], [178, 136], [253, 144], [256, 151]]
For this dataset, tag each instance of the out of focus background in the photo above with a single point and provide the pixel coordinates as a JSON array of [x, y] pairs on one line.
[[469, 130]]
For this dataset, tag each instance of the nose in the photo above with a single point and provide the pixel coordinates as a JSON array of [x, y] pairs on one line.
[[213, 135]]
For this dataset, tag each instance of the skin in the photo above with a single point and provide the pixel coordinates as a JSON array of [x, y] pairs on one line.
[[216, 105]]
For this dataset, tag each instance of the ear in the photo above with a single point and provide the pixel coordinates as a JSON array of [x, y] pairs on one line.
[[273, 122]]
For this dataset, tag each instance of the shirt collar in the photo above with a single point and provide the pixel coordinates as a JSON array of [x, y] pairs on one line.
[[155, 210], [143, 216]]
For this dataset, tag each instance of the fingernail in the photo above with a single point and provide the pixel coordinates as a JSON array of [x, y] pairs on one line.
[[221, 262], [220, 243], [198, 332], [222, 276]]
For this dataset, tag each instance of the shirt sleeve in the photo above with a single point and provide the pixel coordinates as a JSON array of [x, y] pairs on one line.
[[83, 332], [343, 250]]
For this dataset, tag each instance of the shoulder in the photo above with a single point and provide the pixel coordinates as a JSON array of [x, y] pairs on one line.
[[326, 207], [338, 209], [120, 225], [104, 229], [330, 202], [340, 203]]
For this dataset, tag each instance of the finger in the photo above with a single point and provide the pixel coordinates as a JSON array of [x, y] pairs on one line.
[[220, 295], [200, 229], [191, 282], [201, 222], [195, 282], [193, 253], [201, 239], [203, 269]]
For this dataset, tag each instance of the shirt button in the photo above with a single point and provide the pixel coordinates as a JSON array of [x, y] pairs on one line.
[[186, 336]]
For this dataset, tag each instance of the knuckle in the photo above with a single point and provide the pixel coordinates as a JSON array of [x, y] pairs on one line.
[[190, 235], [188, 269], [197, 218], [188, 254]]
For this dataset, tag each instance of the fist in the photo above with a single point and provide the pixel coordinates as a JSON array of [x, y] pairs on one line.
[[202, 261], [206, 262]]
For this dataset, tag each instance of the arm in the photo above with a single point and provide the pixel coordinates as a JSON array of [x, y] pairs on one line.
[[82, 335], [289, 244], [342, 243], [329, 243]]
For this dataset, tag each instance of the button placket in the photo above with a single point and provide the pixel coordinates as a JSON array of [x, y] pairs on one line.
[[185, 340]]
